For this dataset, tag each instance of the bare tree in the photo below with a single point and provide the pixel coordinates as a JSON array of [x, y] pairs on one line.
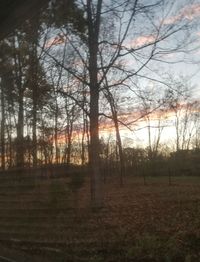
[[181, 103], [99, 53]]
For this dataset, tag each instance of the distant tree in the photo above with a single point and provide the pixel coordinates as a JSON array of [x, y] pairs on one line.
[[195, 140], [134, 159], [181, 103], [113, 107], [20, 64], [5, 67]]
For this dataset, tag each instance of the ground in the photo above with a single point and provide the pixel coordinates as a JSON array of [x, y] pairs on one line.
[[50, 219]]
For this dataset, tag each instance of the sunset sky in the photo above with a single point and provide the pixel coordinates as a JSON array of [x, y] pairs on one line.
[[178, 64], [182, 64]]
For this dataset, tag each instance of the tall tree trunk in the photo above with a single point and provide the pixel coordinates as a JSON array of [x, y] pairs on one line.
[[118, 137], [56, 132], [69, 139], [20, 121], [94, 159], [2, 126], [119, 143], [34, 128], [69, 151], [34, 83], [10, 142], [177, 131], [20, 131], [83, 141]]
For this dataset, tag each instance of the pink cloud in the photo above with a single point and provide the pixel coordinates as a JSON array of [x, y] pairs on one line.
[[141, 40], [189, 12], [58, 40]]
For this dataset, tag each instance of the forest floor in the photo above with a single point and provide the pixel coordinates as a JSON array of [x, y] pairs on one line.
[[50, 219]]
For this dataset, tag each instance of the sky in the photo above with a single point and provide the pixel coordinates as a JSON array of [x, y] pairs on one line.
[[184, 64]]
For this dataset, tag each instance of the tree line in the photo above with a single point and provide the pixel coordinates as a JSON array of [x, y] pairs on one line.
[[76, 64]]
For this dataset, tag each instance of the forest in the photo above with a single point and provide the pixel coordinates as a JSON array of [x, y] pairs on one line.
[[99, 107]]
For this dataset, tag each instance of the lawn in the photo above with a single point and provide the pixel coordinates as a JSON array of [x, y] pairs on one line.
[[52, 219]]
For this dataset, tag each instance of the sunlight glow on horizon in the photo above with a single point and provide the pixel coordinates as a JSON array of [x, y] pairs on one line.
[[138, 137]]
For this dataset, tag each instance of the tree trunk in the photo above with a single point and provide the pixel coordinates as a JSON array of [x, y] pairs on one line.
[[10, 142], [69, 145], [94, 158], [2, 126], [83, 141], [35, 94], [56, 133], [121, 155], [20, 121], [34, 128], [118, 137], [20, 131], [69, 139]]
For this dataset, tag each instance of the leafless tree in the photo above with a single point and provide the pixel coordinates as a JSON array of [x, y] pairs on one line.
[[99, 53]]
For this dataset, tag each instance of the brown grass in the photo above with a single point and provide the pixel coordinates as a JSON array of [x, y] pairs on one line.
[[53, 219]]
